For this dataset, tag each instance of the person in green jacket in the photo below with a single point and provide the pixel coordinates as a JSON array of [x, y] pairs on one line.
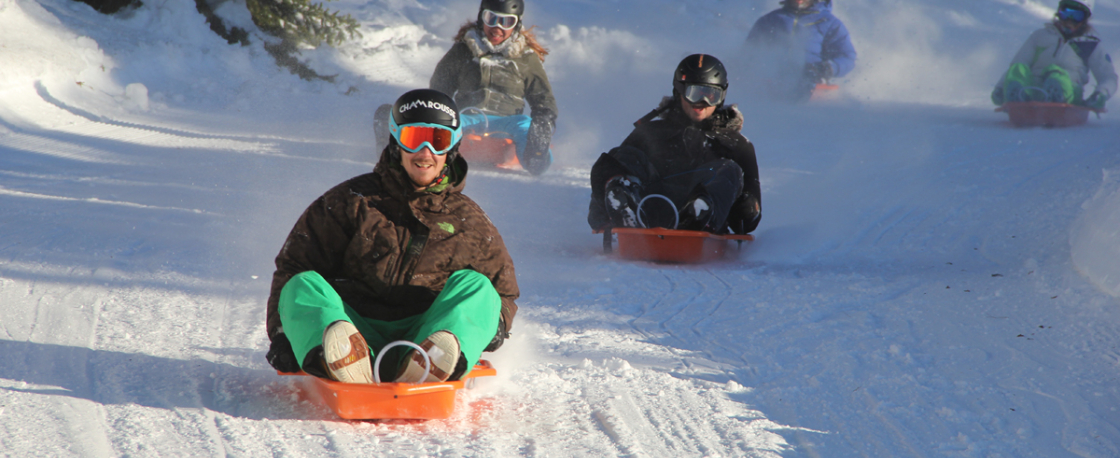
[[1056, 61]]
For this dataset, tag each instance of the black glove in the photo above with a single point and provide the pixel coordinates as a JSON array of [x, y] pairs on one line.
[[537, 156], [1096, 101], [745, 215], [499, 337], [819, 71], [997, 95], [281, 356], [381, 126]]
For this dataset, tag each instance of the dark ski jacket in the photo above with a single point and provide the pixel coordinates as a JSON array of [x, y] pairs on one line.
[[813, 33], [673, 143], [388, 250], [499, 80]]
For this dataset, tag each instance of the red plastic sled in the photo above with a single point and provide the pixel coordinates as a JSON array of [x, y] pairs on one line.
[[1046, 114], [670, 245], [491, 148], [384, 401], [825, 92]]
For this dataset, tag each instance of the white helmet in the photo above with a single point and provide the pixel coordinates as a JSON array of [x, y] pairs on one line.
[[1088, 4]]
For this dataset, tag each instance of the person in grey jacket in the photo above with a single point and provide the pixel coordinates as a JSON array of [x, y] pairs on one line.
[[495, 67], [1055, 63], [492, 71]]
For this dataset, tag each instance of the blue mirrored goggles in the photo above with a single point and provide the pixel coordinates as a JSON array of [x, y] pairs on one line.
[[414, 137], [502, 21], [1072, 14], [697, 93]]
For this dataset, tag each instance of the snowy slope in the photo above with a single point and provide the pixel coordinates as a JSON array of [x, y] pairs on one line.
[[927, 280]]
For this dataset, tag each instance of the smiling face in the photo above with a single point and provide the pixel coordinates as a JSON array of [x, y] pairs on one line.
[[422, 167], [698, 112], [496, 35]]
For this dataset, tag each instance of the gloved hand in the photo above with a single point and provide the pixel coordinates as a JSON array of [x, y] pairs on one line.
[[537, 155], [281, 356], [997, 95], [1096, 101], [499, 337], [819, 71], [745, 215]]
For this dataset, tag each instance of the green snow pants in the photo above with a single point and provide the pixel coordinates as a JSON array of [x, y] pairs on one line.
[[468, 307], [1019, 77]]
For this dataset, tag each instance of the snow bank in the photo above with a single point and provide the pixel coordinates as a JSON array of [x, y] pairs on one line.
[[30, 33], [1095, 238]]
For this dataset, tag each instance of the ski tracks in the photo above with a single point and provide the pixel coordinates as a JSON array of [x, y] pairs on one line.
[[622, 410]]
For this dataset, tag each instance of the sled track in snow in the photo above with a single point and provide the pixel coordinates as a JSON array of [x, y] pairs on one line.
[[105, 128]]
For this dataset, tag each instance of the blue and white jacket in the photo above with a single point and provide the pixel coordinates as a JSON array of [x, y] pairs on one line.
[[821, 35]]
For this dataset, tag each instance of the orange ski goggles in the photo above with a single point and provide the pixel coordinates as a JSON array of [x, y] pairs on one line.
[[414, 137]]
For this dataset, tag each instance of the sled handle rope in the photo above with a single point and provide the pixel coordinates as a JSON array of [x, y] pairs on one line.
[[377, 362], [485, 118], [676, 213]]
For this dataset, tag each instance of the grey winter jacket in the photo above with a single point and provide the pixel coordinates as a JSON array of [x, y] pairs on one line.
[[1079, 56], [499, 80]]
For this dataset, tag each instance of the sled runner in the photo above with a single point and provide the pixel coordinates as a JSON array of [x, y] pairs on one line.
[[491, 148], [385, 401], [669, 245], [1046, 114]]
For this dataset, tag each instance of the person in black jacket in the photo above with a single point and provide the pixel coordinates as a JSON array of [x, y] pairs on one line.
[[685, 165]]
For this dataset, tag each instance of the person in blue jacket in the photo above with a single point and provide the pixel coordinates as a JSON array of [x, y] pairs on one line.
[[804, 44]]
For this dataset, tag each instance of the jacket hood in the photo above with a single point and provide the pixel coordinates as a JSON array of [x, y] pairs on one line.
[[514, 46], [1087, 31]]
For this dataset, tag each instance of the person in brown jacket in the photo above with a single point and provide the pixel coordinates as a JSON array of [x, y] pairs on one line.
[[396, 254]]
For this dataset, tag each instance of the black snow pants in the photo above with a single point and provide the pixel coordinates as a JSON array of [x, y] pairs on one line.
[[719, 181]]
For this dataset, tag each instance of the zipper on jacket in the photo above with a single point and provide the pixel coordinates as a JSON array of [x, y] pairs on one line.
[[412, 251]]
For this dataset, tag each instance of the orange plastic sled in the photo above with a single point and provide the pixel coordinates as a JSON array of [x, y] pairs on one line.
[[1046, 114], [670, 245], [491, 148], [384, 401], [825, 92]]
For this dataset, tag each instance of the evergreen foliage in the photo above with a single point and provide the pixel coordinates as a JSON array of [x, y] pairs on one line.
[[111, 6], [302, 22]]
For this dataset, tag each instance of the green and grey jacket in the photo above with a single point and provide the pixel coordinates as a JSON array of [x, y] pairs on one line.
[[1080, 56], [499, 80], [388, 249]]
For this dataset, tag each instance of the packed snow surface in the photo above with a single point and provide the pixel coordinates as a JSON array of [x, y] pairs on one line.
[[927, 280]]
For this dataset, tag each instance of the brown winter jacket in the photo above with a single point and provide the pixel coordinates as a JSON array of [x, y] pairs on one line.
[[388, 250]]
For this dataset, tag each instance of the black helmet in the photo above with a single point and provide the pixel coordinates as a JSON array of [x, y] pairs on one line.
[[699, 69], [426, 106], [515, 7], [502, 6]]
